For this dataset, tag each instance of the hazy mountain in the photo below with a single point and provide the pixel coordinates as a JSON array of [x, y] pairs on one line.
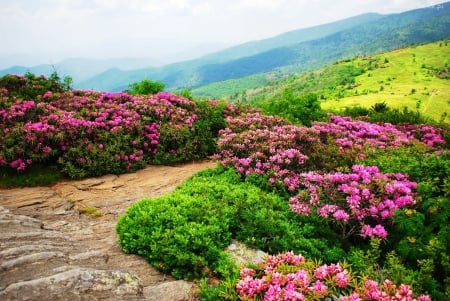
[[316, 47], [81, 69], [291, 52], [289, 38], [186, 72]]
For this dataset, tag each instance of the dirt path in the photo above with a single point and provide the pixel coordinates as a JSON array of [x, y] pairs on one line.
[[52, 247]]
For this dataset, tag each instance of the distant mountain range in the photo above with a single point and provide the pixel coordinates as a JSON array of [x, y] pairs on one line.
[[291, 52]]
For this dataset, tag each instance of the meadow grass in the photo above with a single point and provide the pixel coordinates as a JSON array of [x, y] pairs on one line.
[[405, 77]]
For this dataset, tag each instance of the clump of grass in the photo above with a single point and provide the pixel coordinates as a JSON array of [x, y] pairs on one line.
[[91, 211], [36, 175]]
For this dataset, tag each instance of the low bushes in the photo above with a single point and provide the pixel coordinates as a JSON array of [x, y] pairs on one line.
[[185, 231], [90, 133]]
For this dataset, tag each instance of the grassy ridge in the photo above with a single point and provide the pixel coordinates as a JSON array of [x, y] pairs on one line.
[[416, 77]]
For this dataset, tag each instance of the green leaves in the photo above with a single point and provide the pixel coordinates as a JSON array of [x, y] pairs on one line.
[[145, 87], [185, 232]]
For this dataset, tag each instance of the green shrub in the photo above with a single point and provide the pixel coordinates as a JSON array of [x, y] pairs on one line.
[[356, 111], [176, 233], [145, 87], [184, 232], [30, 86], [300, 109], [36, 175], [373, 264]]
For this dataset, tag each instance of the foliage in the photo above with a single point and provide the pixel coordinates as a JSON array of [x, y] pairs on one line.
[[145, 87], [302, 109], [379, 107], [420, 234], [30, 86], [257, 144], [364, 81], [356, 199], [276, 156], [184, 232], [381, 112], [36, 175], [370, 263], [90, 133]]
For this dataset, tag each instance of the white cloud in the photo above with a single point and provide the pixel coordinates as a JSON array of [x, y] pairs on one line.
[[60, 28], [260, 4], [203, 9]]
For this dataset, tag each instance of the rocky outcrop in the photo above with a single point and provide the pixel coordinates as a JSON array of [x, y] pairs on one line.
[[59, 242], [40, 264]]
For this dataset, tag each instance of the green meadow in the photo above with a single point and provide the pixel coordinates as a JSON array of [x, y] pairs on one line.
[[415, 77]]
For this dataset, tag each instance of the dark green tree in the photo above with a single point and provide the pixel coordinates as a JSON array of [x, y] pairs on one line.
[[145, 87]]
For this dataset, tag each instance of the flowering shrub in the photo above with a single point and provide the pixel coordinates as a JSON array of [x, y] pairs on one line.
[[354, 199], [30, 86], [425, 133], [252, 121], [350, 134], [93, 133], [253, 143], [291, 277]]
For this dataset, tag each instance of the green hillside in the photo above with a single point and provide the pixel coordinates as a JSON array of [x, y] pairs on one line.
[[416, 77], [380, 34], [289, 38]]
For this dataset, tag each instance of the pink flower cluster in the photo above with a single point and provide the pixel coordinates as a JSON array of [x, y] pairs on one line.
[[254, 143], [56, 122], [252, 121], [361, 200], [350, 134], [276, 150], [355, 198], [425, 133], [291, 277]]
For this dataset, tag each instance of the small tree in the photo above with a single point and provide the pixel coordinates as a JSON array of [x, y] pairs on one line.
[[145, 87], [300, 109], [379, 107]]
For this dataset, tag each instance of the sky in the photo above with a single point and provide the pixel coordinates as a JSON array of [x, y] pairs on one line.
[[48, 31]]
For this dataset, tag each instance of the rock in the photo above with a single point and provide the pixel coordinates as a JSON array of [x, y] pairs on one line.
[[75, 283], [49, 250], [242, 254], [41, 264], [169, 291]]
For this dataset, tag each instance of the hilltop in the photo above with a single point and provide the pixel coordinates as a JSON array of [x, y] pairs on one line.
[[416, 77]]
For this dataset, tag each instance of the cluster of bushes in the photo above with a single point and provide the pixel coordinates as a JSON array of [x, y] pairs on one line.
[[346, 191], [86, 133], [363, 201], [381, 112]]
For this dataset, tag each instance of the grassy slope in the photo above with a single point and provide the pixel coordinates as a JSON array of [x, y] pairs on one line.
[[388, 77], [394, 82]]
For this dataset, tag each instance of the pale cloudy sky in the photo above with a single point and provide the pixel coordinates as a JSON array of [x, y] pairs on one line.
[[50, 30]]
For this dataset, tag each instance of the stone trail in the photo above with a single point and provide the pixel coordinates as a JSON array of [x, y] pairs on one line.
[[59, 242]]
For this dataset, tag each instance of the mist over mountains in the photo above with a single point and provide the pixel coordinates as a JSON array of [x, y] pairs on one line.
[[292, 52]]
